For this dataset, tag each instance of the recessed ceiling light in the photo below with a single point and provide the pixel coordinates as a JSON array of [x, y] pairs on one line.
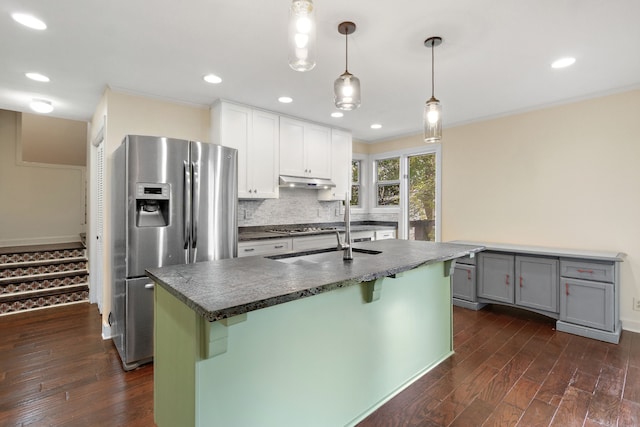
[[376, 126], [212, 78], [37, 77], [41, 105], [285, 99], [337, 114], [29, 21], [563, 62]]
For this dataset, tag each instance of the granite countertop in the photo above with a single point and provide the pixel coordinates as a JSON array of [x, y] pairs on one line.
[[226, 288], [549, 251], [266, 232]]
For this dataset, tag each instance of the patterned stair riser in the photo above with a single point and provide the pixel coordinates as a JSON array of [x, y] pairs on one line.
[[40, 256], [36, 285], [42, 269], [42, 302]]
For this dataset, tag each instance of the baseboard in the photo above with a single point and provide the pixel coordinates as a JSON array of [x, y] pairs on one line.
[[40, 240], [631, 325], [106, 332]]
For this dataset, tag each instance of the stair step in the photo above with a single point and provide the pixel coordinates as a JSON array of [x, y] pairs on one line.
[[19, 284], [37, 303], [41, 248], [39, 262], [43, 293], [42, 270]]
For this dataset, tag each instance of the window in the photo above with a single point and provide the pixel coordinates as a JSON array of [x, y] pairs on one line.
[[356, 176], [388, 182]]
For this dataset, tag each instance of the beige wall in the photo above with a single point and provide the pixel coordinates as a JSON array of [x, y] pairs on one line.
[[53, 140], [39, 203], [567, 176], [132, 114]]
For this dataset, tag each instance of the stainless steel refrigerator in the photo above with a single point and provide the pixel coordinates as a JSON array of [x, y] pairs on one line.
[[173, 202]]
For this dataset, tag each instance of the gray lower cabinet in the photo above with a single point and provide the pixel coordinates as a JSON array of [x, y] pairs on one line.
[[526, 281], [537, 283], [464, 282], [495, 276], [587, 303]]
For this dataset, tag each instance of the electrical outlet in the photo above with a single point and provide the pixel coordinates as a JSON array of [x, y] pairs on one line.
[[247, 214], [636, 304]]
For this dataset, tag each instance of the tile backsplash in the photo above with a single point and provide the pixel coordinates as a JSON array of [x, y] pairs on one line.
[[298, 206]]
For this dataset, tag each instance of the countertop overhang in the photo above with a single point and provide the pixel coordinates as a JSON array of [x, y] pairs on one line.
[[225, 288]]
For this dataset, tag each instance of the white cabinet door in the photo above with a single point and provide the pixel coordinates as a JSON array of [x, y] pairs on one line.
[[305, 149], [231, 129], [341, 153], [255, 134], [292, 156], [317, 146], [263, 155]]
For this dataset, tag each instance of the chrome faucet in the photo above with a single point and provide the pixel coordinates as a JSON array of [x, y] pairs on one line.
[[346, 245]]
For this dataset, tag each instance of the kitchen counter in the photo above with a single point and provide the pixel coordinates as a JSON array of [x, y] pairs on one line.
[[226, 288], [314, 344], [267, 232]]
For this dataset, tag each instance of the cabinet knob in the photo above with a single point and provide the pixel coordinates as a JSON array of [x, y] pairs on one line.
[[468, 273], [506, 282], [520, 281], [566, 287]]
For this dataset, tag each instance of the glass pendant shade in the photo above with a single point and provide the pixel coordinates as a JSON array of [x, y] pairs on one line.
[[432, 121], [302, 35], [347, 92]]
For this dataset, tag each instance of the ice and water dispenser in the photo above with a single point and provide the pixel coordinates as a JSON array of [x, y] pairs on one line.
[[152, 204]]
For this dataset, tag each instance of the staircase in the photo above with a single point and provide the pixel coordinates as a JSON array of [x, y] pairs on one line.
[[37, 277]]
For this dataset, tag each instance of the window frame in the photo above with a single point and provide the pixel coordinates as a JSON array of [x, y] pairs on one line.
[[363, 159], [403, 208]]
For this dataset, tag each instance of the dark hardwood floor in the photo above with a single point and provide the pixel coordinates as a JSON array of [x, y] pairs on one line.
[[510, 368], [55, 370]]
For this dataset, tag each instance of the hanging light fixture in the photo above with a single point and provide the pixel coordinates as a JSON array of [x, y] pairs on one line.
[[302, 35], [432, 109], [347, 86]]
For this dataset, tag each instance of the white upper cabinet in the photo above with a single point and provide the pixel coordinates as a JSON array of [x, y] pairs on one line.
[[305, 149], [341, 153], [255, 134]]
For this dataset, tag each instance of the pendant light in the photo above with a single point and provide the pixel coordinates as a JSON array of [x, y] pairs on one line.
[[347, 87], [302, 35], [432, 109]]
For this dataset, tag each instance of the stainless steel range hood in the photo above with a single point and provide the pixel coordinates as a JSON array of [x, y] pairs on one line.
[[303, 182]]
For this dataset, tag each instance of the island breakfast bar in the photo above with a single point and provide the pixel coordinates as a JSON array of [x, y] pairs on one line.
[[299, 341]]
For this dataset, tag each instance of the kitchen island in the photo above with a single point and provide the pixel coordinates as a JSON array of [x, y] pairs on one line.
[[315, 342]]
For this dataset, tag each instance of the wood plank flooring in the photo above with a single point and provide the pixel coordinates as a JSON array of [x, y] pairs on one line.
[[55, 370], [511, 368]]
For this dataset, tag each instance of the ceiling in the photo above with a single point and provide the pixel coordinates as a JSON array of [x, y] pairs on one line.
[[495, 58]]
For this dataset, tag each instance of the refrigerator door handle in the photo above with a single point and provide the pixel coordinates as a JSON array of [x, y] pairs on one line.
[[186, 207], [195, 210]]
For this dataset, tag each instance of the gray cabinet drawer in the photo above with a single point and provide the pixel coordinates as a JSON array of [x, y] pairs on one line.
[[587, 270]]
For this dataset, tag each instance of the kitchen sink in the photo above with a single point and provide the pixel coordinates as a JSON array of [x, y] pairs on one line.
[[321, 256]]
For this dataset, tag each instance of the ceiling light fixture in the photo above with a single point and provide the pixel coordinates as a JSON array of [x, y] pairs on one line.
[[285, 99], [563, 62], [347, 87], [376, 126], [29, 21], [337, 114], [37, 77], [302, 35], [41, 106], [432, 110], [212, 78]]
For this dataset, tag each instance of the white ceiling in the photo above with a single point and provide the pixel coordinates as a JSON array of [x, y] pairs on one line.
[[495, 58]]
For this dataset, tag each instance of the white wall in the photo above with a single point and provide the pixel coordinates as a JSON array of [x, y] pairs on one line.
[[133, 114], [566, 176], [39, 203]]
